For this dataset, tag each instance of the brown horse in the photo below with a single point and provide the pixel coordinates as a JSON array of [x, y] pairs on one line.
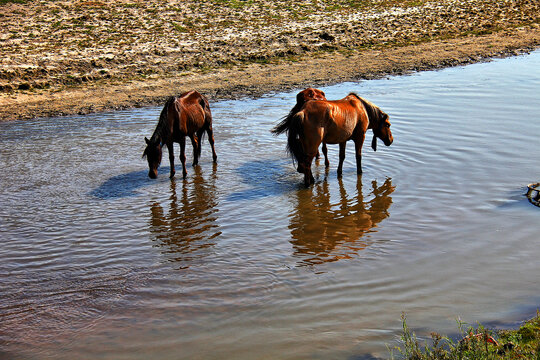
[[334, 122], [301, 98], [186, 115]]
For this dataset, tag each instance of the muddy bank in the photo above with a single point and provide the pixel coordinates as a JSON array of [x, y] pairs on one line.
[[65, 57]]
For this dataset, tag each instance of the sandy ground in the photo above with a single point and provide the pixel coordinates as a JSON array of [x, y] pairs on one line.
[[76, 57]]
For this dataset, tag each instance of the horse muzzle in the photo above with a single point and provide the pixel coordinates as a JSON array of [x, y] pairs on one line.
[[152, 174], [386, 141]]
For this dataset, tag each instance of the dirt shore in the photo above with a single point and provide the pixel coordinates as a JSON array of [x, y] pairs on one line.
[[63, 57]]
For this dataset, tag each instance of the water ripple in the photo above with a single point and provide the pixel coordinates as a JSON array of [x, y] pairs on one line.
[[99, 261]]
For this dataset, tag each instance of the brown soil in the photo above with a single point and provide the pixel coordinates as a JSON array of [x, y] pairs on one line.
[[69, 57]]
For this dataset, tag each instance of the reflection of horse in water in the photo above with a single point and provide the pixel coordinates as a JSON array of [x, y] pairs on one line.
[[324, 230], [187, 231]]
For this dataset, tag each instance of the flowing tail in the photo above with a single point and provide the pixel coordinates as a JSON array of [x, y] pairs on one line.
[[294, 146], [284, 124], [293, 125]]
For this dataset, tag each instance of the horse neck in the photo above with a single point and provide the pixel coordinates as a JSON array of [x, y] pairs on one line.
[[372, 113], [163, 128]]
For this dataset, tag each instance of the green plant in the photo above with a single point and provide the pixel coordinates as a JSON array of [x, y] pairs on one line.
[[179, 27], [475, 343]]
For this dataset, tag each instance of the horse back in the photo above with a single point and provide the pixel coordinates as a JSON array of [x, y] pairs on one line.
[[193, 112], [340, 119]]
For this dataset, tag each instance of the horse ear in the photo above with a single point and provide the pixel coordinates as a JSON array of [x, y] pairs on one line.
[[374, 143], [147, 141]]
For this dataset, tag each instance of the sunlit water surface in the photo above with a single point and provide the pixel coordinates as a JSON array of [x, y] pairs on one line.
[[239, 261]]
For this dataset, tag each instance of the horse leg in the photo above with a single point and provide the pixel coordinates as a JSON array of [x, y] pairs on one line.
[[341, 158], [325, 153], [358, 148], [183, 155], [195, 144], [210, 133], [308, 176], [170, 148], [200, 134]]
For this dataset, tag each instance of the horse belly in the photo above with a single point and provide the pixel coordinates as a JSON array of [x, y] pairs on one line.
[[195, 122], [339, 127], [337, 136]]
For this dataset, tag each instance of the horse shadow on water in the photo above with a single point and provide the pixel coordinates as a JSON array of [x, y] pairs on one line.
[[186, 229], [323, 230], [265, 178], [123, 185]]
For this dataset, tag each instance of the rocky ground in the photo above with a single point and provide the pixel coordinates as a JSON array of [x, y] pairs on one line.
[[64, 57]]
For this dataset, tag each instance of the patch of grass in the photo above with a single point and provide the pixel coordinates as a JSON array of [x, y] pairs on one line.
[[474, 344], [56, 25], [234, 4], [131, 5], [343, 5], [179, 27], [3, 2]]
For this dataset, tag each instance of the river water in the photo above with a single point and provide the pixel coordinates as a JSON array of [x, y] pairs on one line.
[[239, 261]]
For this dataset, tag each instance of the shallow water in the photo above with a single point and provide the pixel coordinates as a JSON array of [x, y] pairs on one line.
[[240, 261]]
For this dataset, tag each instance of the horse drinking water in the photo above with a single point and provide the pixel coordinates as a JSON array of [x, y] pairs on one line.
[[334, 122], [186, 115]]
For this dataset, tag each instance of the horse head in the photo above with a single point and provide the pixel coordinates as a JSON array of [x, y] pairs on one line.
[[378, 122], [153, 154], [309, 94], [381, 130]]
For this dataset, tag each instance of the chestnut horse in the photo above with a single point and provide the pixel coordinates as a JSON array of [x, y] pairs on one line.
[[186, 115], [334, 122], [301, 98]]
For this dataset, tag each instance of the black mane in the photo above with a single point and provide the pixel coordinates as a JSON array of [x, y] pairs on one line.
[[373, 111], [163, 130]]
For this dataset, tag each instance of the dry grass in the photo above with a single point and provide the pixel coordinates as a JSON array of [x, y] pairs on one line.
[[49, 44]]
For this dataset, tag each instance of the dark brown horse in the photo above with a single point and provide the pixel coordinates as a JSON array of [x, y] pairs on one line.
[[301, 98], [186, 115], [334, 122]]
